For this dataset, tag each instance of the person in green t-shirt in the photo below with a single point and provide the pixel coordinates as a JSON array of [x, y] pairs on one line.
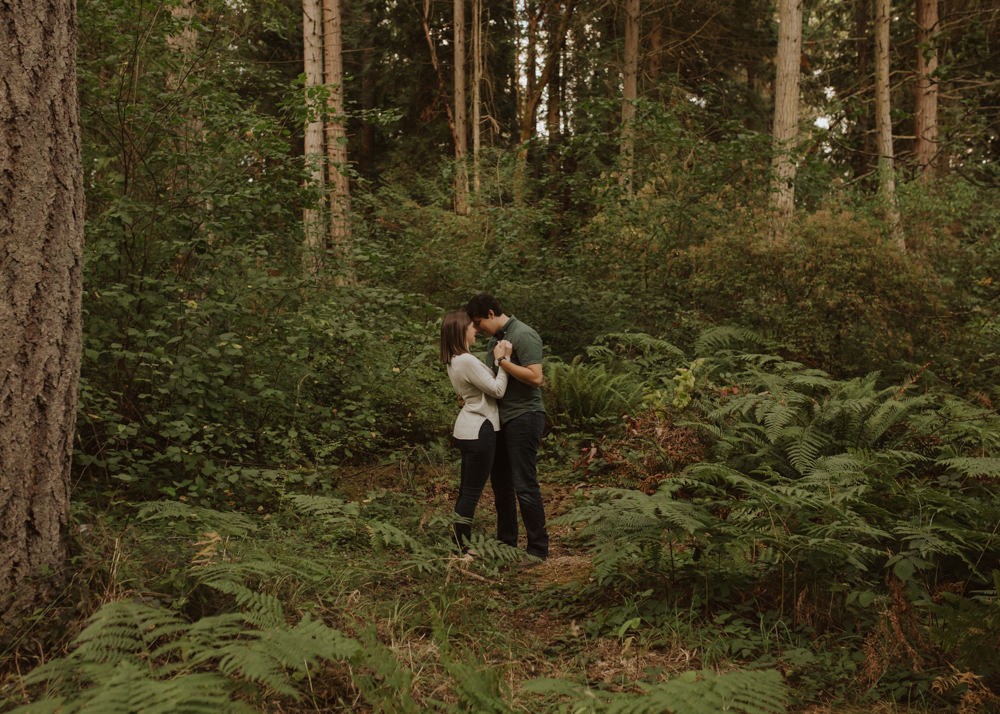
[[522, 421]]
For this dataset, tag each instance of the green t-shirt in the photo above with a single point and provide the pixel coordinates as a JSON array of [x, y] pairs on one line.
[[520, 398]]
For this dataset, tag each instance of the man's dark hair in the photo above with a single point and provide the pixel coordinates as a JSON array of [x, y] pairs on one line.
[[481, 304]]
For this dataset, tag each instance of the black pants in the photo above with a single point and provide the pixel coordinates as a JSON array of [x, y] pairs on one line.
[[477, 462], [515, 482]]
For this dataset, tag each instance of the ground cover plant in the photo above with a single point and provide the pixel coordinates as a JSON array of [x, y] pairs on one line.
[[757, 536]]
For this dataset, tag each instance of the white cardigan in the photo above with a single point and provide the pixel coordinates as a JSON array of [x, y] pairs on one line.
[[479, 389]]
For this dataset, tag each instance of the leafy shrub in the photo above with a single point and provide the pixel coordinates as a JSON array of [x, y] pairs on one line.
[[834, 293], [217, 389]]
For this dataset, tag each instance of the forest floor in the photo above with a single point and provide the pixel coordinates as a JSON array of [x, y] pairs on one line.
[[467, 630], [527, 621]]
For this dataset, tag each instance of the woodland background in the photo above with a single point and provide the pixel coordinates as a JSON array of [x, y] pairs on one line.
[[760, 242]]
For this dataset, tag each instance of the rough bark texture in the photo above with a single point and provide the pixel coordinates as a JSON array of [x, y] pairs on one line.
[[461, 116], [925, 114], [478, 62], [786, 106], [41, 260], [630, 92]]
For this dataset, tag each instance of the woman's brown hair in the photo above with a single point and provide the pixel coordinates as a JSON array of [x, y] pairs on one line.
[[453, 329]]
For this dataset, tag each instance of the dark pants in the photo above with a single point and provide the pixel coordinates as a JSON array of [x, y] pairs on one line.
[[515, 482], [477, 461]]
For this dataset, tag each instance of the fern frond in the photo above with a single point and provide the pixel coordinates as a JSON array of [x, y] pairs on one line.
[[120, 629], [973, 467], [480, 689], [804, 446], [729, 338], [326, 507], [138, 657], [228, 523]]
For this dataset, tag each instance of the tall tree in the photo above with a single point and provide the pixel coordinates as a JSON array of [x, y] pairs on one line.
[[925, 114], [786, 109], [461, 116], [338, 176], [883, 120], [478, 61], [313, 224], [533, 83], [630, 92], [41, 261]]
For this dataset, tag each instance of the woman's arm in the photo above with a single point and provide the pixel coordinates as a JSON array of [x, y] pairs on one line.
[[481, 378]]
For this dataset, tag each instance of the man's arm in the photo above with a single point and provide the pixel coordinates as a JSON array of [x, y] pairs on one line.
[[530, 374]]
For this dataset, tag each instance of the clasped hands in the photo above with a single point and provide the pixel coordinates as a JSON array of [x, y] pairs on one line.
[[503, 348]]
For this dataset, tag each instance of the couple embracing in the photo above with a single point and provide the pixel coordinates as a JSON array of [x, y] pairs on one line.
[[501, 422]]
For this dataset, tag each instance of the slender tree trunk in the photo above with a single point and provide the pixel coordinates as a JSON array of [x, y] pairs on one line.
[[41, 284], [862, 134], [786, 111], [312, 221], [527, 100], [478, 61], [630, 93], [338, 175], [883, 122], [461, 116], [926, 99], [533, 83], [553, 118]]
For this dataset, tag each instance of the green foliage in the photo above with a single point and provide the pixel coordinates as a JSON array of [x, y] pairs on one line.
[[201, 412], [585, 394], [702, 692], [135, 656], [834, 292], [814, 485]]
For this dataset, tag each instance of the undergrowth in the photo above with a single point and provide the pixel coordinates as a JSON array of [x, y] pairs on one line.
[[753, 536]]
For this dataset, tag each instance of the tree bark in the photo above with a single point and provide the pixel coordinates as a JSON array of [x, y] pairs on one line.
[[312, 222], [630, 93], [338, 177], [461, 115], [786, 111], [478, 62], [925, 114], [41, 261], [883, 122]]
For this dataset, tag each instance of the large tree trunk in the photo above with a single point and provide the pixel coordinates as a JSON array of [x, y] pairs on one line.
[[630, 93], [461, 116], [786, 110], [313, 224], [883, 122], [336, 139], [41, 261], [926, 99]]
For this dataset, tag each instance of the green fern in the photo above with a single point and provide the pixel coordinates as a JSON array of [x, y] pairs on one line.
[[582, 394], [974, 466], [227, 523], [729, 339], [136, 656]]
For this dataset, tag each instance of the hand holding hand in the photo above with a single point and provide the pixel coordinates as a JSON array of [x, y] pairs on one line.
[[503, 348]]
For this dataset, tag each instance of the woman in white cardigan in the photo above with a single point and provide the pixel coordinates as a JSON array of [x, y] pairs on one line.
[[478, 422]]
